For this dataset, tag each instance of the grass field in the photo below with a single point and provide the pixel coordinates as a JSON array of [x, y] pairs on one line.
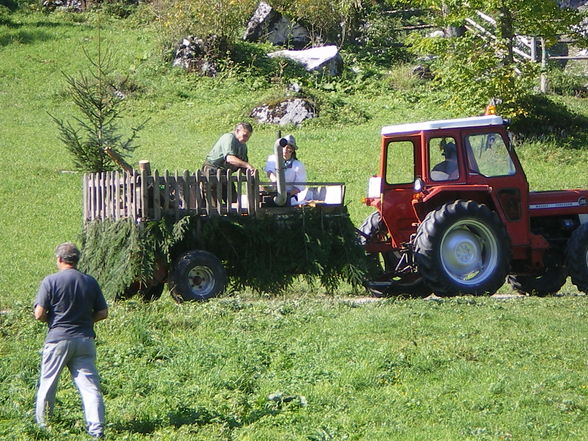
[[303, 366]]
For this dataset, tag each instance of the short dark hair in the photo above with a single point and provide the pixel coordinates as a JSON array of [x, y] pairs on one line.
[[244, 125], [68, 253]]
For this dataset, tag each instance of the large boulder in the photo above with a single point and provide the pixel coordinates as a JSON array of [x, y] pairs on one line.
[[269, 25], [292, 111], [196, 55], [325, 58]]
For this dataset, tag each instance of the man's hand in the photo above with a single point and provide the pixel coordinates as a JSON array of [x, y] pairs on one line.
[[40, 313]]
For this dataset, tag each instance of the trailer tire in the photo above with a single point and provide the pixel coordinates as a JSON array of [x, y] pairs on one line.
[[548, 283], [197, 275], [577, 257], [462, 248]]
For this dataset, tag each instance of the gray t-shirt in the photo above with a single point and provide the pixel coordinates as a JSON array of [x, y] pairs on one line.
[[71, 298]]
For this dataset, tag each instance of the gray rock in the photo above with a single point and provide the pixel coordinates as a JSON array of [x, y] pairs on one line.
[[192, 54], [267, 24], [293, 111], [324, 58]]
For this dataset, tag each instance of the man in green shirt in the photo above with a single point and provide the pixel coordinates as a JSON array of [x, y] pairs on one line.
[[229, 153]]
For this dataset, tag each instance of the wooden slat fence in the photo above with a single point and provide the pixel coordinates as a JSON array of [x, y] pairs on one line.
[[142, 196]]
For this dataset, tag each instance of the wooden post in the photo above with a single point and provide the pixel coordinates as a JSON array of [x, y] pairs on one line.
[[156, 197], [198, 190], [544, 85], [144, 165], [144, 206], [186, 191]]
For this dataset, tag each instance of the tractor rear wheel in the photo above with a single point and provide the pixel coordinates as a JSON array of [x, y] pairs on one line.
[[197, 275], [462, 248], [577, 257]]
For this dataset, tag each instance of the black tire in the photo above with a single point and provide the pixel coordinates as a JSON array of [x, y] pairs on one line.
[[577, 257], [548, 283], [409, 284], [462, 248], [197, 275]]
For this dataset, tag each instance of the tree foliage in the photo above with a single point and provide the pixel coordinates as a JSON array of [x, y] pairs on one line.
[[204, 18], [97, 99], [472, 69]]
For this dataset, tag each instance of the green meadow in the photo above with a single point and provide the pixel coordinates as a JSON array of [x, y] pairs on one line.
[[301, 365]]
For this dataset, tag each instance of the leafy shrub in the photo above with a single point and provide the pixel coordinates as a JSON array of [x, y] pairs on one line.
[[118, 8], [203, 18], [469, 71], [4, 15], [567, 84], [326, 20]]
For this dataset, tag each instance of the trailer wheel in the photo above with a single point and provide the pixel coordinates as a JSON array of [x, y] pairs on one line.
[[197, 275], [462, 248], [577, 257], [550, 282]]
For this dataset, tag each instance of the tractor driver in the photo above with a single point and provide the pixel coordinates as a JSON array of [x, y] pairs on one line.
[[447, 169]]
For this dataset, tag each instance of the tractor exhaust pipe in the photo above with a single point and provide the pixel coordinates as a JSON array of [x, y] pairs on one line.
[[282, 195]]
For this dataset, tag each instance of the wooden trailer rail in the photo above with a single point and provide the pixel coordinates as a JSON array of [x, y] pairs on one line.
[[144, 196]]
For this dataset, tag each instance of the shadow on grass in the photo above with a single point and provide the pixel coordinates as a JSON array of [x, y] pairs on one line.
[[547, 119], [31, 32], [25, 37], [186, 416]]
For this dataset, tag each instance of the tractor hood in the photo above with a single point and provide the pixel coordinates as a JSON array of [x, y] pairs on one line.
[[553, 203]]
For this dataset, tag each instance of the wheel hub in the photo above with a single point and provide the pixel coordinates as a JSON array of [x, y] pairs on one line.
[[463, 252], [469, 252], [201, 280]]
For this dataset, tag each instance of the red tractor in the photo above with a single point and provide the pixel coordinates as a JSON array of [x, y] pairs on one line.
[[455, 215]]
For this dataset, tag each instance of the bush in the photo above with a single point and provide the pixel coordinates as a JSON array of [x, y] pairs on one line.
[[468, 70], [567, 84], [202, 18]]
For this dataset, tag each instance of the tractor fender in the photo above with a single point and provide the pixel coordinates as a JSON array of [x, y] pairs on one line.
[[439, 195]]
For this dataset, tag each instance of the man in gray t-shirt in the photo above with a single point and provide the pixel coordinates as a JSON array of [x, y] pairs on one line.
[[70, 302]]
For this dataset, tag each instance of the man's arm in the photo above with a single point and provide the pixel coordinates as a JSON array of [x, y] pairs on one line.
[[233, 160], [40, 313], [100, 315]]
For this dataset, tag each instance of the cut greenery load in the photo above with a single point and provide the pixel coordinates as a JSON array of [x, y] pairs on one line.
[[264, 254]]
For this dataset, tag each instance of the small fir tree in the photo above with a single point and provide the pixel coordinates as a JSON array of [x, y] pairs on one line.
[[96, 97]]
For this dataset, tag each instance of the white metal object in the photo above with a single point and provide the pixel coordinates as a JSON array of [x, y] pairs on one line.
[[475, 121], [374, 187]]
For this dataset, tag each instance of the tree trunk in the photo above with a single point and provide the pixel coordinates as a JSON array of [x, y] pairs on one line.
[[505, 30]]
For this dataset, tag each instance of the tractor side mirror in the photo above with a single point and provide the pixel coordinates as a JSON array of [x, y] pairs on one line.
[[419, 185]]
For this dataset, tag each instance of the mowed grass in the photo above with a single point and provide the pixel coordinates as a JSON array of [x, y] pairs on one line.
[[302, 366], [316, 369]]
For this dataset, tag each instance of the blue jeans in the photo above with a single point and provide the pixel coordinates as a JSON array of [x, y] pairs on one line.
[[79, 355]]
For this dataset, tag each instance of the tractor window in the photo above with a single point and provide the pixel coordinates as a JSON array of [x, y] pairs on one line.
[[400, 162], [443, 159], [488, 155]]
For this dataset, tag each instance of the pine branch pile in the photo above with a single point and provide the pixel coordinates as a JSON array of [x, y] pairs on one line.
[[264, 254]]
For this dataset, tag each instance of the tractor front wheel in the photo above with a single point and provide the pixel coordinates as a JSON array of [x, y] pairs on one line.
[[577, 257], [462, 248], [545, 284]]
